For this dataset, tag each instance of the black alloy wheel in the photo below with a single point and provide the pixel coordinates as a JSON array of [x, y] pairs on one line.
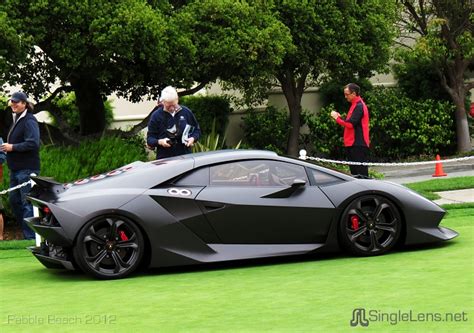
[[370, 225], [109, 247]]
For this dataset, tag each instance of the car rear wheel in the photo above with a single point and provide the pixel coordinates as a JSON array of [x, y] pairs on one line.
[[370, 225], [109, 247]]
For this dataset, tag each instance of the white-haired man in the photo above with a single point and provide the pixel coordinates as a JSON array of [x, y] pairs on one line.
[[172, 128]]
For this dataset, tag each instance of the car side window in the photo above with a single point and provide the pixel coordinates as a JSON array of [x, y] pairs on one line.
[[256, 173], [323, 178]]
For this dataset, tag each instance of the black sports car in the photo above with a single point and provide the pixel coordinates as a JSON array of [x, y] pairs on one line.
[[219, 206]]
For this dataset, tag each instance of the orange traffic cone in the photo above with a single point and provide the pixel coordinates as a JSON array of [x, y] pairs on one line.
[[439, 168]]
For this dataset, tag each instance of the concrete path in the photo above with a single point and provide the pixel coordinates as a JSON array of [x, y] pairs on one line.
[[414, 174], [405, 179], [457, 196]]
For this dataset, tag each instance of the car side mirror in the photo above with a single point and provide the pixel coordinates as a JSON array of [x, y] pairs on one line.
[[297, 183], [288, 191]]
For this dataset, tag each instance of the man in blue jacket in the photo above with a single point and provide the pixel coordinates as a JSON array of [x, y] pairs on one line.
[[172, 128], [22, 148]]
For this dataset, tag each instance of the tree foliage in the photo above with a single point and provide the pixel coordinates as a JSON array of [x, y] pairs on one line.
[[92, 47], [11, 46], [338, 39], [136, 47], [235, 40], [418, 77], [444, 31]]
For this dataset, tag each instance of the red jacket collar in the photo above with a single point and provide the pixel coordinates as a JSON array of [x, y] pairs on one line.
[[356, 100]]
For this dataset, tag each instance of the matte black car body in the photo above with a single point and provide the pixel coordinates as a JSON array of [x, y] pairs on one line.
[[220, 206]]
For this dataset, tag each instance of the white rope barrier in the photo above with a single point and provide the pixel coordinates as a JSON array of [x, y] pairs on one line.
[[35, 209], [17, 187], [303, 156]]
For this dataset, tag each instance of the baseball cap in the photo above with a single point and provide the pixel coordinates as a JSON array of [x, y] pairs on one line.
[[19, 96]]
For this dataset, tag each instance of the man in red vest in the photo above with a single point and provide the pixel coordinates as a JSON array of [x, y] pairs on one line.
[[356, 129]]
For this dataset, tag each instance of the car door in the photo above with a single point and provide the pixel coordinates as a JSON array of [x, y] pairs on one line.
[[178, 198], [254, 202]]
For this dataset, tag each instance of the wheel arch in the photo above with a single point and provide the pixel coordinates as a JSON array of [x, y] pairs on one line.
[[144, 261], [398, 204]]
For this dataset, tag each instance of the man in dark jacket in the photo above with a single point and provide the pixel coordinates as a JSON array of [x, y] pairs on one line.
[[172, 128], [356, 129], [22, 148]]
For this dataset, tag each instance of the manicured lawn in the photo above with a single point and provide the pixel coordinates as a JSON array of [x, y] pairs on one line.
[[426, 188], [303, 295]]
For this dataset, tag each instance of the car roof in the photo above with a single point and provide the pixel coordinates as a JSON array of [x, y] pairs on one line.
[[228, 155], [146, 174]]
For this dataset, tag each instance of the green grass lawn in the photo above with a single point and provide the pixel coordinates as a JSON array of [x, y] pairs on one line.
[[306, 294], [303, 295], [428, 187]]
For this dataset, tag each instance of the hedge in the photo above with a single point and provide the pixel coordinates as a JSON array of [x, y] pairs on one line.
[[208, 108], [400, 127]]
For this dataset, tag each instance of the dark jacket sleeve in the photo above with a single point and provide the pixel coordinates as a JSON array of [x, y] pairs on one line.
[[356, 115], [155, 130], [31, 137]]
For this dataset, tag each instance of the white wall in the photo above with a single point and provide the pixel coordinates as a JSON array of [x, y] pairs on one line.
[[127, 114]]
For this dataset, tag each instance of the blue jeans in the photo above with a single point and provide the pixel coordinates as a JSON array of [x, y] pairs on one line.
[[20, 206]]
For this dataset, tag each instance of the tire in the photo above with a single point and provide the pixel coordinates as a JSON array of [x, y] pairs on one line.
[[109, 247], [370, 225]]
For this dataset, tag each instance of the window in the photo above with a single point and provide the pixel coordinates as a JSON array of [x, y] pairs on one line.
[[322, 178], [256, 173]]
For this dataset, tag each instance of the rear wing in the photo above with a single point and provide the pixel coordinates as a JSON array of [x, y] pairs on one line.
[[46, 188]]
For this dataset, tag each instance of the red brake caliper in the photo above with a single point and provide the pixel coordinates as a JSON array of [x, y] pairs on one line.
[[355, 222], [122, 235]]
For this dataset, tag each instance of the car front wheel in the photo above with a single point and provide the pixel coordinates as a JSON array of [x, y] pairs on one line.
[[370, 225], [109, 247]]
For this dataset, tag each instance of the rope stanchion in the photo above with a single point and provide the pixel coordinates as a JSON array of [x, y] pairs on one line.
[[303, 156]]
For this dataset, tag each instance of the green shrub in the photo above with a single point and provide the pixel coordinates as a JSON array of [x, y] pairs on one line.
[[67, 104], [212, 141], [402, 127], [325, 137], [267, 130], [399, 127], [70, 163], [91, 157], [208, 108]]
